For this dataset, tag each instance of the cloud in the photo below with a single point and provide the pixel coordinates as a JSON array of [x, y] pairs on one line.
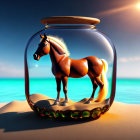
[[9, 70], [130, 59]]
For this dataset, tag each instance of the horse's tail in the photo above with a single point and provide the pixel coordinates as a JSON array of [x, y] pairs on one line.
[[103, 91]]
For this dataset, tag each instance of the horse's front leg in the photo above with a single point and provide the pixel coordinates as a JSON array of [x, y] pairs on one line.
[[64, 81], [58, 82]]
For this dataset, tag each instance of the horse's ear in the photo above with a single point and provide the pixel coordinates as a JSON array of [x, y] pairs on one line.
[[41, 36], [45, 36]]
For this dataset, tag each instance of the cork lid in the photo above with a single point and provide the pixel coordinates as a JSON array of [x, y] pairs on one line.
[[69, 20]]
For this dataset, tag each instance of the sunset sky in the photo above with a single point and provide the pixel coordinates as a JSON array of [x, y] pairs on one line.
[[20, 19]]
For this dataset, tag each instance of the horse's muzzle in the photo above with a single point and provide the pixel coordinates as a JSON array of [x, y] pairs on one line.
[[35, 56]]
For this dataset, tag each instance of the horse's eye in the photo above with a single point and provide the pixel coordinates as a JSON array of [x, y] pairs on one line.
[[42, 44]]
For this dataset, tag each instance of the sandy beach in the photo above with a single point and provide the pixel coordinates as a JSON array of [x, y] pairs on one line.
[[18, 121]]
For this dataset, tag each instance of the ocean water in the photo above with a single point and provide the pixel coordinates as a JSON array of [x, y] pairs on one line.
[[127, 90]]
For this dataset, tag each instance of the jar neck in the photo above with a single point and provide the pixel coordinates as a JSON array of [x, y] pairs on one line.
[[70, 26]]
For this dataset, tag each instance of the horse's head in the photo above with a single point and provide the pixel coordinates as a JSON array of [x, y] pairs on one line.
[[43, 47]]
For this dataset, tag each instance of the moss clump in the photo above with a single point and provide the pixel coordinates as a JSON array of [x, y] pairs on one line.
[[47, 113], [105, 109], [86, 114], [52, 114], [60, 115], [75, 114], [96, 113]]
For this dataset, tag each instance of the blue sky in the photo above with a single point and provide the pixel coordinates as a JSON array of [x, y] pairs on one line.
[[20, 19]]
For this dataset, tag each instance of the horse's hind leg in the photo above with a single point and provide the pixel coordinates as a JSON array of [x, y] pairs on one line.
[[64, 81], [58, 81], [95, 85], [99, 82]]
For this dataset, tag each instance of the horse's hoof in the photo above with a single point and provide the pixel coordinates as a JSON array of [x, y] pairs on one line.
[[64, 104], [56, 103], [88, 102], [97, 101]]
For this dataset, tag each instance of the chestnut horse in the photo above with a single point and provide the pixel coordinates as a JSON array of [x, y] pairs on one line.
[[64, 67]]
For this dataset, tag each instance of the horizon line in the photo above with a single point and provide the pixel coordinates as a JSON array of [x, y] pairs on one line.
[[69, 77]]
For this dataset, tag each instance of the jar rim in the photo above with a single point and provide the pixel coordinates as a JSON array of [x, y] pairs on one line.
[[69, 26], [69, 20]]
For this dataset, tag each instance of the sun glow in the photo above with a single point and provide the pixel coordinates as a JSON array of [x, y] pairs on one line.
[[133, 6], [138, 5]]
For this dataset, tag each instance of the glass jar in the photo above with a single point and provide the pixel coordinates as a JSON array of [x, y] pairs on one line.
[[70, 56]]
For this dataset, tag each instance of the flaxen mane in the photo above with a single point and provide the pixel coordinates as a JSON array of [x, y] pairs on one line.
[[60, 42]]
